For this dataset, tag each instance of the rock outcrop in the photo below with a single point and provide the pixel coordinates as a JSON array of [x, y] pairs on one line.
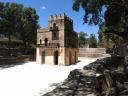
[[100, 78]]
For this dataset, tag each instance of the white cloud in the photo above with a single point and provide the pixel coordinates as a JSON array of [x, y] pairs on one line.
[[43, 7]]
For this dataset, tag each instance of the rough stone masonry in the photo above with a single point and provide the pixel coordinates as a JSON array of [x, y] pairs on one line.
[[58, 43]]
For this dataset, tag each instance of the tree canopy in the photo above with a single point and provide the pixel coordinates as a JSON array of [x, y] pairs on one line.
[[92, 41], [105, 38], [114, 12], [82, 39], [18, 21]]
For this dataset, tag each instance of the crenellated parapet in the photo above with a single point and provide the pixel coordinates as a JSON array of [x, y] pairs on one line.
[[59, 16], [57, 44]]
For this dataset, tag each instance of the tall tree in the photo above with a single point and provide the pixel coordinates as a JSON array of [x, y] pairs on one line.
[[92, 41], [8, 13], [101, 32], [82, 39], [27, 26], [1, 17], [105, 38], [19, 21], [116, 14]]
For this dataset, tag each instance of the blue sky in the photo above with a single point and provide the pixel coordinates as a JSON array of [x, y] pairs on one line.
[[46, 8]]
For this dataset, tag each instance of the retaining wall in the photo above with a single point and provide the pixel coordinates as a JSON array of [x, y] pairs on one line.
[[92, 52]]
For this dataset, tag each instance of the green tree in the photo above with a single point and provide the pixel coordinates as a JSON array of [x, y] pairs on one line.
[[27, 26], [115, 15], [82, 39], [106, 38], [101, 32], [18, 21], [1, 17], [103, 38], [92, 41], [8, 23]]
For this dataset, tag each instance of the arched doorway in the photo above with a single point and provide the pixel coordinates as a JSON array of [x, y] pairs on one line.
[[56, 58], [43, 58], [70, 58], [46, 41], [75, 57]]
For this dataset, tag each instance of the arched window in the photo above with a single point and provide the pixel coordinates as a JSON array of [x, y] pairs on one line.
[[54, 25], [55, 32]]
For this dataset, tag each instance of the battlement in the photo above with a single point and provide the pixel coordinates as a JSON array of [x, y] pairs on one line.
[[59, 16]]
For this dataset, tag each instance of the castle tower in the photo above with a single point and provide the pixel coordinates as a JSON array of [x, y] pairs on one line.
[[58, 43]]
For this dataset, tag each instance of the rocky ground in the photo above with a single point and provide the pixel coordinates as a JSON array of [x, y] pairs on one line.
[[104, 77]]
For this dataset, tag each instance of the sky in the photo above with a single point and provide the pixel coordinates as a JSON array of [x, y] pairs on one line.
[[45, 8]]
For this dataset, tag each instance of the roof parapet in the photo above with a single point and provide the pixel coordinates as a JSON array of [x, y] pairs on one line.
[[59, 16]]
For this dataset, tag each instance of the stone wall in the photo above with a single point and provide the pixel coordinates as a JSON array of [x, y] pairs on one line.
[[17, 51], [48, 55], [58, 33], [66, 56], [71, 55], [92, 52]]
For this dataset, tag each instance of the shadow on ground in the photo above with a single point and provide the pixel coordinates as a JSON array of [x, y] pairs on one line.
[[79, 83], [3, 66], [103, 77]]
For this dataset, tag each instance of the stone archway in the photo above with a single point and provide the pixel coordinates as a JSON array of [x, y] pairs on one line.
[[75, 57], [43, 57], [46, 41], [70, 58], [55, 58]]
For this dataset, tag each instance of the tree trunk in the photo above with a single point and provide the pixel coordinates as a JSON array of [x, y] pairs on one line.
[[9, 44], [25, 47], [24, 42]]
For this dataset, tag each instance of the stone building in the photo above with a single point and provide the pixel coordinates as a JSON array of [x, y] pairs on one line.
[[58, 43]]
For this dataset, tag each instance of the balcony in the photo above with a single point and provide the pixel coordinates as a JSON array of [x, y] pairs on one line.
[[49, 45]]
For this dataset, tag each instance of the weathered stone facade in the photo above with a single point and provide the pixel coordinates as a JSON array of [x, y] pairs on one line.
[[58, 43]]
